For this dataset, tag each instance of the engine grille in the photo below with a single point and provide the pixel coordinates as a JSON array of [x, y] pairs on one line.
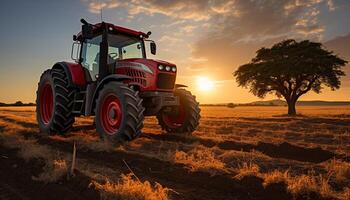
[[137, 76], [166, 81]]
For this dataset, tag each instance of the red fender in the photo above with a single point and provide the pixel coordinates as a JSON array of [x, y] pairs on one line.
[[74, 71]]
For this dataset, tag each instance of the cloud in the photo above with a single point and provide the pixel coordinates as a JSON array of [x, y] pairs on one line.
[[340, 45], [95, 7], [169, 40], [234, 36], [330, 4], [241, 19], [228, 32], [242, 16], [180, 9], [188, 29]]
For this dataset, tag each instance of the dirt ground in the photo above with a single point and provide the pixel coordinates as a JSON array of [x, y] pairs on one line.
[[236, 153]]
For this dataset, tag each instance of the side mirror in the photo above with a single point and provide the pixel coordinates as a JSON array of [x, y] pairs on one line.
[[75, 53], [153, 47], [86, 29]]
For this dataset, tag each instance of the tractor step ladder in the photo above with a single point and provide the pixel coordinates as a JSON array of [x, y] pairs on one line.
[[78, 105]]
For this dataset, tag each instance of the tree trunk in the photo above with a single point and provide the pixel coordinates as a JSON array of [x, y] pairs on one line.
[[291, 108]]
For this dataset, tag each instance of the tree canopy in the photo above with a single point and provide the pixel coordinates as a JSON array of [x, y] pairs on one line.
[[290, 69]]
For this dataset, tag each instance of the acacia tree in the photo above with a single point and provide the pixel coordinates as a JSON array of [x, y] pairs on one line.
[[290, 69]]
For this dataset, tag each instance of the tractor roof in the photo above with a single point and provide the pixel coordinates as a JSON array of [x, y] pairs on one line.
[[97, 28]]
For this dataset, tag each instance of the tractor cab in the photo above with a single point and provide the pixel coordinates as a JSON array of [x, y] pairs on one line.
[[113, 80], [100, 47], [103, 45]]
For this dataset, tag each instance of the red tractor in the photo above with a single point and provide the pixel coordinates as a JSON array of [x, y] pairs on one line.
[[114, 81]]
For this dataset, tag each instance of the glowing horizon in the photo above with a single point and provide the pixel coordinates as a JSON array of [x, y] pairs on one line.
[[208, 40]]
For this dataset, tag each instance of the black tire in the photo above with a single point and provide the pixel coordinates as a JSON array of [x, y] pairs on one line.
[[62, 117], [131, 109], [191, 114]]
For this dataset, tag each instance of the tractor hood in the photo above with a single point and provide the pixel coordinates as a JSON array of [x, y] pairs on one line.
[[148, 74], [147, 65]]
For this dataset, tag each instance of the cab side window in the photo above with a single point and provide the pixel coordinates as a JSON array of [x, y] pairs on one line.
[[90, 56]]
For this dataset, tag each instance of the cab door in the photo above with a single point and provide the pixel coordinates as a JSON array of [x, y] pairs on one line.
[[90, 55]]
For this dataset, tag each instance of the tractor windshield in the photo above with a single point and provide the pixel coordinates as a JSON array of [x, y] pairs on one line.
[[124, 47], [120, 47]]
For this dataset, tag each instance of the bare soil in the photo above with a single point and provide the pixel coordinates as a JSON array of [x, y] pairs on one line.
[[273, 142]]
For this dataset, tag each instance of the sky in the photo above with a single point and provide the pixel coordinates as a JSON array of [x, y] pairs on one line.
[[206, 39]]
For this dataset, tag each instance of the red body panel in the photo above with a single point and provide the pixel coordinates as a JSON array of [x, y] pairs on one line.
[[144, 73], [77, 74], [97, 28], [150, 84]]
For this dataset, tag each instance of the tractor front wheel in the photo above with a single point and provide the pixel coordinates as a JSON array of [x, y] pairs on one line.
[[186, 119], [119, 113], [54, 102]]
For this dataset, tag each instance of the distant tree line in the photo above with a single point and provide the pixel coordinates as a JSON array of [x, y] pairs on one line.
[[17, 103], [290, 69], [233, 105]]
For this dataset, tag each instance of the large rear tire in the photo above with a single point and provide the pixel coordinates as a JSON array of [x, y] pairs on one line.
[[186, 119], [54, 102], [119, 113]]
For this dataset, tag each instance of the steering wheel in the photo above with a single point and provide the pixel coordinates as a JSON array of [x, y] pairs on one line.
[[114, 55]]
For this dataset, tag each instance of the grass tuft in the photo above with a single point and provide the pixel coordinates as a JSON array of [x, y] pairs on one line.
[[131, 189], [339, 169], [200, 159], [247, 169], [346, 194], [276, 177]]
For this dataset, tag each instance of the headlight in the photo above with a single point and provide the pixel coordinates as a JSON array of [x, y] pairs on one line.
[[173, 69], [167, 68], [160, 67]]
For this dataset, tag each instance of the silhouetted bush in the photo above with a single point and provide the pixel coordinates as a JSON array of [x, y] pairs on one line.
[[18, 103], [231, 105]]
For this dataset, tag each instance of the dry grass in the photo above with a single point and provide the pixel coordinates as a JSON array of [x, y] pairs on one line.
[[130, 189], [247, 169], [200, 159], [55, 167], [97, 172], [324, 127], [28, 148], [268, 111], [302, 185], [86, 140], [306, 185], [276, 177], [340, 170], [346, 194]]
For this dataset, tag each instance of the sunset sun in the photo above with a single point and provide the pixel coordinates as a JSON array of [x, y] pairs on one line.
[[205, 84]]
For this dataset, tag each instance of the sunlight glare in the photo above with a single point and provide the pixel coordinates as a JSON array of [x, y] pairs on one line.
[[205, 84]]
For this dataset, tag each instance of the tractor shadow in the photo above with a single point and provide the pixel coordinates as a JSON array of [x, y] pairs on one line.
[[2, 128], [87, 127]]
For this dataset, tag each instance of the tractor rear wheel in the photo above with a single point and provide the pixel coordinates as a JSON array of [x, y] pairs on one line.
[[54, 102], [186, 119], [119, 113]]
